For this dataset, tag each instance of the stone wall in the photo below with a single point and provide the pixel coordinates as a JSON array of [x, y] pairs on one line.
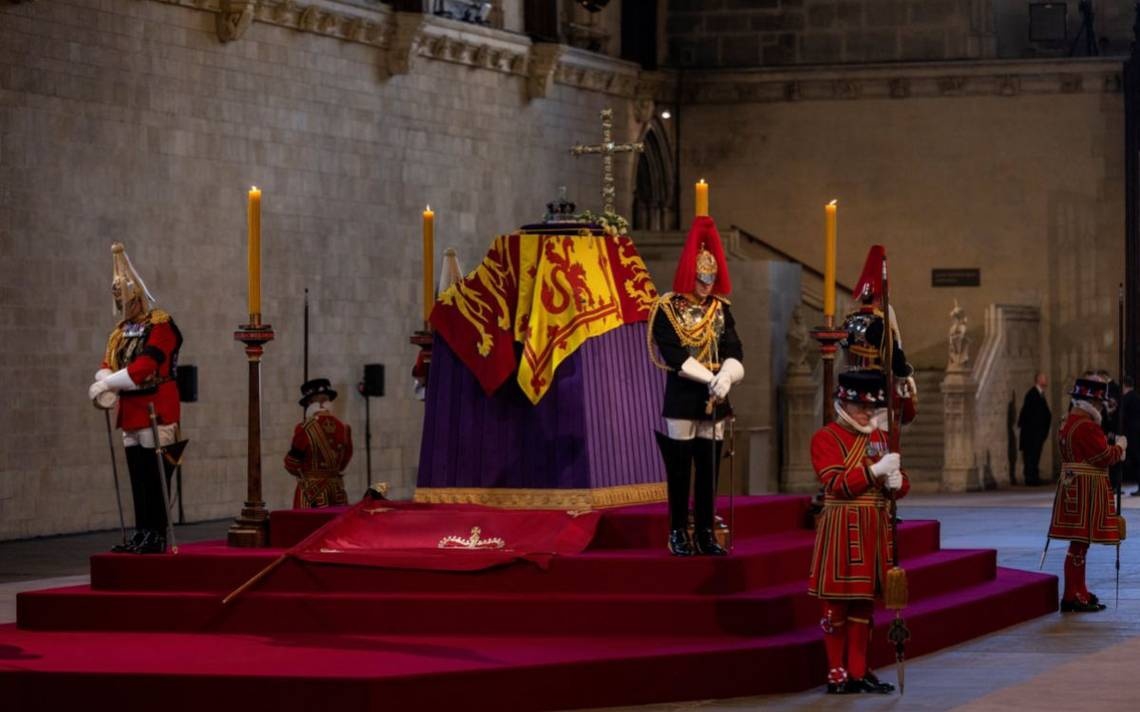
[[750, 33], [130, 120], [1012, 168], [746, 33]]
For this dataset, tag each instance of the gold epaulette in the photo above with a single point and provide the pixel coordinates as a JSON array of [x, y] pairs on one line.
[[157, 316]]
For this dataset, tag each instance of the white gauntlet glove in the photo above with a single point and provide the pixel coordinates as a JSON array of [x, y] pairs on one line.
[[895, 480], [1122, 442], [118, 381], [888, 464], [731, 372], [694, 370]]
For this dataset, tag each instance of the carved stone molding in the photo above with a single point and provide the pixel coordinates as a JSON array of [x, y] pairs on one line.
[[592, 72], [544, 58], [234, 18], [404, 41], [981, 78]]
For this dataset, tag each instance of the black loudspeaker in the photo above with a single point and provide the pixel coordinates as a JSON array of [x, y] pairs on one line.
[[373, 380], [187, 383]]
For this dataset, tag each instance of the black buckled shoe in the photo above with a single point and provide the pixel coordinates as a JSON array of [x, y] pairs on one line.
[[131, 546], [679, 544], [1078, 606], [706, 543], [152, 543], [871, 683]]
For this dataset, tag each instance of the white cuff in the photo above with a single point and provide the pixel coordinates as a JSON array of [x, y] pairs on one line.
[[694, 370], [120, 381]]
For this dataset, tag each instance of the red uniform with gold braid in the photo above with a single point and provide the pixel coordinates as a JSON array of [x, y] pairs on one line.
[[1084, 511], [853, 546], [320, 450], [148, 349], [138, 369]]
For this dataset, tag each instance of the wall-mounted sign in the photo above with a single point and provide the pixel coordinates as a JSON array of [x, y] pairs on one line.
[[960, 277]]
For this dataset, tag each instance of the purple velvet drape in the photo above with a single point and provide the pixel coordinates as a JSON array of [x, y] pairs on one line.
[[593, 429]]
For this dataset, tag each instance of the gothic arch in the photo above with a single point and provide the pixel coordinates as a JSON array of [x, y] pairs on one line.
[[653, 203]]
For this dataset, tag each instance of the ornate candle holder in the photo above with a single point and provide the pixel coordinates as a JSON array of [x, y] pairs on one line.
[[828, 338], [251, 528]]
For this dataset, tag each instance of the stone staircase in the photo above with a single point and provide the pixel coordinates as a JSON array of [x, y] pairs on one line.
[[922, 440]]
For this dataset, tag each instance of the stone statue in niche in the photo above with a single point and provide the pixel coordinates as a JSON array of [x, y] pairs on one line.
[[959, 354], [799, 343]]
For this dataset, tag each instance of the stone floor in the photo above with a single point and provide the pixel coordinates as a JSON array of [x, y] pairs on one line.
[[1059, 662]]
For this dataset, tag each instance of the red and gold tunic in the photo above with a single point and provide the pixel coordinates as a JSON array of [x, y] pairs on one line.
[[853, 545], [1084, 508], [321, 449], [148, 349]]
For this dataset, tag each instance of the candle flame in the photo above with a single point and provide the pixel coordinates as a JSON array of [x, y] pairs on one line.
[[701, 181], [254, 189], [834, 201], [427, 209]]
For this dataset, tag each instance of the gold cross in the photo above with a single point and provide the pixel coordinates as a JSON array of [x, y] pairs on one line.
[[608, 148]]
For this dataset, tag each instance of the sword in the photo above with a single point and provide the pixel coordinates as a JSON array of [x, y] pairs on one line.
[[1119, 422], [1045, 551], [731, 483], [115, 474], [162, 479]]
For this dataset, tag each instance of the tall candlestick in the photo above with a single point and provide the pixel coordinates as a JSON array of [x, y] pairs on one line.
[[429, 266], [702, 198], [829, 262], [254, 255]]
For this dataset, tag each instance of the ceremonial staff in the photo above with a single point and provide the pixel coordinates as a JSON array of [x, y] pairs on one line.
[[896, 594], [162, 479], [1119, 424], [115, 474]]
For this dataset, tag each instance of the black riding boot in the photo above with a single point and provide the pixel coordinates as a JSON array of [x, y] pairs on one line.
[[706, 464], [678, 466], [153, 510]]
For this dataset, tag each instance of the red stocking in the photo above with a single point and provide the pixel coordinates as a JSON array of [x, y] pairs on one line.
[[858, 637], [834, 624], [1075, 589]]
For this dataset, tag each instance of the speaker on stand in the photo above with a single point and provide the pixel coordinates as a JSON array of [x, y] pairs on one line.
[[186, 377], [371, 387]]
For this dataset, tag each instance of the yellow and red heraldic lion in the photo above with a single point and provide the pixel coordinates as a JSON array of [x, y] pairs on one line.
[[1084, 511], [853, 542]]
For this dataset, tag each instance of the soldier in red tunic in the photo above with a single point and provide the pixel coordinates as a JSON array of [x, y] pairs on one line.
[[321, 449], [1084, 511], [138, 369], [853, 545]]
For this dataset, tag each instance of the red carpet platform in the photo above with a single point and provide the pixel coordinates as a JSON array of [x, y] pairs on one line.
[[621, 623]]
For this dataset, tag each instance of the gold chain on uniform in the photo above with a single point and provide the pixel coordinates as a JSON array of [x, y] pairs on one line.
[[701, 335]]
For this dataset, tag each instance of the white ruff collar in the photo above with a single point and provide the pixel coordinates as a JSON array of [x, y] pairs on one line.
[[849, 422], [1089, 408]]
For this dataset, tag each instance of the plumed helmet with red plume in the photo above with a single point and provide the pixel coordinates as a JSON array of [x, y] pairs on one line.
[[702, 258], [869, 288]]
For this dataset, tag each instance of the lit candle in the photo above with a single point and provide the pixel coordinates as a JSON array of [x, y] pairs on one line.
[[429, 256], [829, 261], [254, 255], [702, 198]]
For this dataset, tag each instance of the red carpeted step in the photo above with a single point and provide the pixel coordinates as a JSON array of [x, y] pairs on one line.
[[284, 672], [647, 526], [757, 561], [762, 611], [621, 527]]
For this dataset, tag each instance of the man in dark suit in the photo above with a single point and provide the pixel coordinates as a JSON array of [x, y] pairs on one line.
[[1035, 422]]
